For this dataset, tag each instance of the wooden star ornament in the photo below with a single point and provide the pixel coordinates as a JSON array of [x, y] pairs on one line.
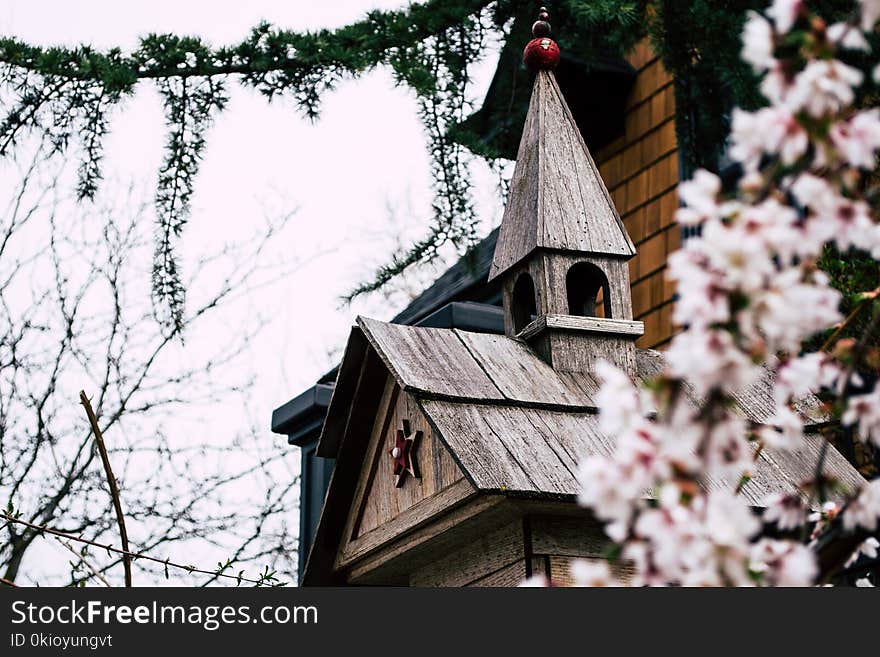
[[403, 454]]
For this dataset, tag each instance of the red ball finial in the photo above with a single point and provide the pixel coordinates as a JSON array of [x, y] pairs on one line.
[[542, 52]]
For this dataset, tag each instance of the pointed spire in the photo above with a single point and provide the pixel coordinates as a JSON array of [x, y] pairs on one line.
[[557, 198]]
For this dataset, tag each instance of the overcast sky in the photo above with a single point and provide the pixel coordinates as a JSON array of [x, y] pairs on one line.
[[366, 153]]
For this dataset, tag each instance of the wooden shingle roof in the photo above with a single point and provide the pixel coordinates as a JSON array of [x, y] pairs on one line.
[[516, 425], [557, 199]]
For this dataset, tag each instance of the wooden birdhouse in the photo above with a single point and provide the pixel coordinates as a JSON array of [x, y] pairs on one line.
[[457, 452]]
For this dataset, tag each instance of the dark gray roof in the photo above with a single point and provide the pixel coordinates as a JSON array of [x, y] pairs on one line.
[[464, 281]]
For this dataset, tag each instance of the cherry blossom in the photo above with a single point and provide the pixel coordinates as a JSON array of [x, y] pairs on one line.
[[858, 139], [823, 87], [864, 412], [757, 40], [868, 548], [591, 573], [784, 563], [700, 198], [846, 36], [870, 10], [784, 13], [864, 510], [786, 510], [749, 294]]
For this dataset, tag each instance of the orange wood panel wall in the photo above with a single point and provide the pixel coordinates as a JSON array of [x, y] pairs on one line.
[[641, 171]]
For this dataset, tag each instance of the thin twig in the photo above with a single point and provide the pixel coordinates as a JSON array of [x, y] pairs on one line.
[[131, 555], [84, 561], [111, 482]]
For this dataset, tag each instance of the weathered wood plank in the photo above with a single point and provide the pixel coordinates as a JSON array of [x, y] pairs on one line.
[[578, 214], [566, 535], [476, 516], [583, 324], [527, 446], [484, 556], [367, 474], [484, 457], [350, 371], [518, 372], [384, 500], [429, 359], [420, 513], [509, 576]]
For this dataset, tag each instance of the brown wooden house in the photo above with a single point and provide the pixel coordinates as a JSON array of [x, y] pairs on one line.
[[456, 448]]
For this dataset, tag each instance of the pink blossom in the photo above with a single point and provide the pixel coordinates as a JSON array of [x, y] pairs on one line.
[[868, 548], [775, 85], [847, 36], [699, 197], [609, 493], [784, 430], [803, 375], [710, 359], [790, 309], [858, 139], [870, 14], [757, 40], [772, 130], [864, 510], [621, 405], [864, 410], [784, 563], [703, 294], [591, 573], [824, 86], [784, 13], [787, 510]]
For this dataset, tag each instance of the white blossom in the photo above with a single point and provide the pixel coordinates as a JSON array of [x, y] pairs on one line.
[[772, 130], [699, 197], [787, 510], [864, 412], [784, 13], [784, 563], [757, 40], [847, 36], [868, 548], [591, 573], [870, 14], [858, 139], [824, 86], [803, 375], [709, 359], [784, 430], [864, 510]]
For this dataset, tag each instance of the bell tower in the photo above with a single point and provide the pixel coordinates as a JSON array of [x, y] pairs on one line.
[[562, 250]]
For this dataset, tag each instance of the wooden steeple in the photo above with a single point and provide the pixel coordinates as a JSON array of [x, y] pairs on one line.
[[562, 249]]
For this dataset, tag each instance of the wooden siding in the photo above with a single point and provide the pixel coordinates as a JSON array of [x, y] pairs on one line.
[[383, 500], [641, 171]]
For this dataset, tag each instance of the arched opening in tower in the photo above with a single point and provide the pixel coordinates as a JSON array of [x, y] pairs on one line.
[[587, 289], [524, 303]]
